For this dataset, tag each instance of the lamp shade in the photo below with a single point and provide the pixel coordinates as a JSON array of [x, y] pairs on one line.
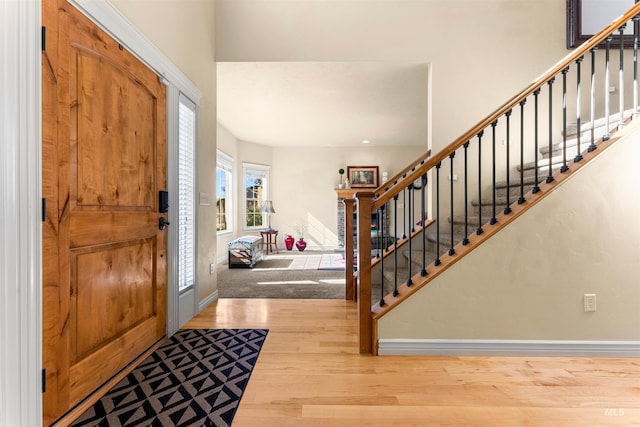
[[267, 207]]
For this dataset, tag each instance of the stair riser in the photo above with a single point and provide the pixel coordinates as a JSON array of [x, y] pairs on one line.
[[585, 141], [514, 190]]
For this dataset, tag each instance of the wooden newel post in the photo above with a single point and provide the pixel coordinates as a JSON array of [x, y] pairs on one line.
[[349, 277], [364, 271]]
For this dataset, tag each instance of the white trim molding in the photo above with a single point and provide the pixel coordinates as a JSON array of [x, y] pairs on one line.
[[107, 17], [207, 301], [20, 214], [459, 347]]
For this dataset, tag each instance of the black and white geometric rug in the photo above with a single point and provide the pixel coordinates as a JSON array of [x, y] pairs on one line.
[[196, 379]]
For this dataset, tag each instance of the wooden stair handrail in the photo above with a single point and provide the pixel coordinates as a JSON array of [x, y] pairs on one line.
[[384, 193], [518, 209]]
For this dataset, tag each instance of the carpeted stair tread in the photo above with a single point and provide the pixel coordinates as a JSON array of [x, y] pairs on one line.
[[543, 164], [501, 201], [514, 182], [598, 124], [445, 240]]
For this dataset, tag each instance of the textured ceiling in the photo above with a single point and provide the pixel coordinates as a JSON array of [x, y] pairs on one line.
[[324, 104]]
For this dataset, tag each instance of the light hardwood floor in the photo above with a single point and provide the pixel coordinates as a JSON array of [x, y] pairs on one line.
[[309, 373]]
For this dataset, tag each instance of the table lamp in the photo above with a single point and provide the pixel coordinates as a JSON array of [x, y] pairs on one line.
[[267, 207]]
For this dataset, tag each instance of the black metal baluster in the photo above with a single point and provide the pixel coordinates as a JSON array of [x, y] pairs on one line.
[[564, 167], [507, 209], [479, 230], [607, 96], [437, 260], [465, 241], [592, 101], [550, 154], [578, 110], [423, 190], [375, 237], [521, 198], [380, 214], [409, 281], [412, 202], [451, 156], [536, 188], [404, 216], [395, 246], [494, 220], [621, 77], [385, 226]]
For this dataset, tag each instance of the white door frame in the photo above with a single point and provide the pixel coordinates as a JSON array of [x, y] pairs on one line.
[[21, 192], [20, 214]]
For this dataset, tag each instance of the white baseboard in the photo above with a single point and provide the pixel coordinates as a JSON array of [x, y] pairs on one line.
[[441, 347], [207, 301]]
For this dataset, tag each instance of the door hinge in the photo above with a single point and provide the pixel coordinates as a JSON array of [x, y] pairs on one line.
[[44, 380], [44, 39], [44, 209]]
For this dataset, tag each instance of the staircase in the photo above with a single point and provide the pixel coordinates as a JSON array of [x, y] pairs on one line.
[[485, 206], [472, 156]]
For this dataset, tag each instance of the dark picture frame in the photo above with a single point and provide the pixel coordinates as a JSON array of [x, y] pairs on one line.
[[580, 26], [363, 176]]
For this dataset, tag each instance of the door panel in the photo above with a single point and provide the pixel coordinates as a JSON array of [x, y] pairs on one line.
[[105, 302], [118, 278], [114, 118]]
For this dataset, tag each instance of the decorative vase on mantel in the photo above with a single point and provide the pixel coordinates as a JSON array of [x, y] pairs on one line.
[[301, 244], [289, 241]]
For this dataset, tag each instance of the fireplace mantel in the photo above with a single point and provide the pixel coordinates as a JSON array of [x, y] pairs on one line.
[[346, 193]]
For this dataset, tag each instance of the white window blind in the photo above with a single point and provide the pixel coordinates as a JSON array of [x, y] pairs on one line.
[[186, 196]]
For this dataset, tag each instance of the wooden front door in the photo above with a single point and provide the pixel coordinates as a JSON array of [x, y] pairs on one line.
[[104, 162]]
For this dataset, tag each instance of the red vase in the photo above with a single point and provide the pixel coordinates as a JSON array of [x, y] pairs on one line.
[[289, 241], [301, 244]]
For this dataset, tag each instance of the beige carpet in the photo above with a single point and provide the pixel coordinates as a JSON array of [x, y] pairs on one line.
[[285, 275]]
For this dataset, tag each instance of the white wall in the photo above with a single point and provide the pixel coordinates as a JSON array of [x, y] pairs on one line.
[[304, 183], [528, 281], [469, 43]]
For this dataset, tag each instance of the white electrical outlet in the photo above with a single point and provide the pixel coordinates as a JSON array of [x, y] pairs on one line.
[[589, 302], [212, 268]]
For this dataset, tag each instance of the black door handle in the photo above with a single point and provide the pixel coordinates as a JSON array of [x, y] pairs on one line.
[[162, 223]]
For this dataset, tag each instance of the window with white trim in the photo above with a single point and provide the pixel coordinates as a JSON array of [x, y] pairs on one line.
[[255, 193], [186, 193], [224, 192]]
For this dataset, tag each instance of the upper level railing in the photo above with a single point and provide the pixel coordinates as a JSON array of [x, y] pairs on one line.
[[501, 162]]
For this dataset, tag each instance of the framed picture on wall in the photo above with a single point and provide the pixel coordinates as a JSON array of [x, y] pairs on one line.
[[587, 17], [363, 176]]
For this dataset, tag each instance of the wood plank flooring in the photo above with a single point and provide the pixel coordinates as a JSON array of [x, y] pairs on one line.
[[310, 374]]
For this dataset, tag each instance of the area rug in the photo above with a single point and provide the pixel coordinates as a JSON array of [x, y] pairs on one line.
[[195, 379], [331, 262], [296, 261]]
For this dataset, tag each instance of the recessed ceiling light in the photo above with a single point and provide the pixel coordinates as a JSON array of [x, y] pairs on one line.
[[366, 141]]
